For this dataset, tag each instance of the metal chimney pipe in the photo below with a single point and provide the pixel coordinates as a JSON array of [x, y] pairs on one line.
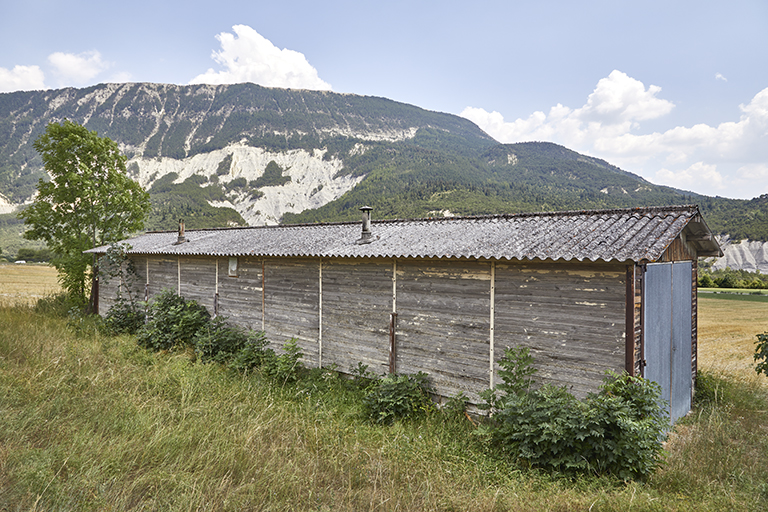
[[181, 239], [366, 236]]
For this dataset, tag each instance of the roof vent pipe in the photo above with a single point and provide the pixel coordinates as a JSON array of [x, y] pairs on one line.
[[181, 239], [366, 236]]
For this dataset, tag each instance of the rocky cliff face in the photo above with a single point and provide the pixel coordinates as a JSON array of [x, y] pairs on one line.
[[314, 181], [743, 255]]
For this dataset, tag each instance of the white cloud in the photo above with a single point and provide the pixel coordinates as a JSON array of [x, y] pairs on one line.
[[706, 159], [77, 69], [719, 76], [22, 78], [695, 176], [247, 56], [614, 108], [120, 77]]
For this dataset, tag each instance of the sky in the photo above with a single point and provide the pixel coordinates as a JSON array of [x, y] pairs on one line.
[[674, 91]]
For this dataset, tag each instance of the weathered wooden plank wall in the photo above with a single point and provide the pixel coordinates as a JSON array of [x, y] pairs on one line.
[[443, 323], [291, 289], [357, 302], [163, 274], [108, 286], [571, 316], [240, 296], [198, 280], [638, 325]]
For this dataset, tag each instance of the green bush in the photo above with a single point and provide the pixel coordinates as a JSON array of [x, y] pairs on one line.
[[172, 321], [398, 396], [219, 341], [253, 354], [124, 317], [287, 367], [617, 431], [761, 354]]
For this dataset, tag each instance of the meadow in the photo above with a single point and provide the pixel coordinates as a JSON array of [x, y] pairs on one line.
[[93, 422], [25, 284]]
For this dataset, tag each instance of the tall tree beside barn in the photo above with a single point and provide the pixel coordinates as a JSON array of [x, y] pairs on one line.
[[89, 201]]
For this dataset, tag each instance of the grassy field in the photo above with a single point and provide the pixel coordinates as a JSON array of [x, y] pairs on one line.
[[91, 422], [26, 283]]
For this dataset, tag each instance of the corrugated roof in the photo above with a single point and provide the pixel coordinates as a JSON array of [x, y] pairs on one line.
[[634, 234]]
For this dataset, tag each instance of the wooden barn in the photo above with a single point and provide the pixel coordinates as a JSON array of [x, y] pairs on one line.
[[586, 291]]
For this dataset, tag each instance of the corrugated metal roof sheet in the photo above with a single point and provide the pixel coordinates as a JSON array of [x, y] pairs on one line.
[[634, 234]]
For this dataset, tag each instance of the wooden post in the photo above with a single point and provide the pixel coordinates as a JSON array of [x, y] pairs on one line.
[[492, 334], [178, 272], [629, 330], [263, 298], [393, 322], [392, 343], [216, 293], [320, 317]]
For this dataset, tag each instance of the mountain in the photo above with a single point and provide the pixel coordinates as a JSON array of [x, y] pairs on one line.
[[324, 143], [245, 154]]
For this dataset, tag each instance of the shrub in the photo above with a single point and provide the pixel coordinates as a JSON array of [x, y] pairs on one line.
[[706, 389], [124, 317], [285, 368], [223, 342], [617, 431], [398, 396], [761, 354], [253, 353], [172, 321]]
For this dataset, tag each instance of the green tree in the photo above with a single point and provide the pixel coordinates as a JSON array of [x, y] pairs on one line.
[[89, 201]]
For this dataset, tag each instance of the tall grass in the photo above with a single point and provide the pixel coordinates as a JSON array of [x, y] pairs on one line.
[[96, 423]]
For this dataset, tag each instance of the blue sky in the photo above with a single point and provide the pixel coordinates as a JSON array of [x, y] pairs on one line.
[[675, 91]]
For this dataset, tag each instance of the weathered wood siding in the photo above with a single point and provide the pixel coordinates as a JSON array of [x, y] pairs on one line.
[[198, 280], [108, 287], [357, 302], [443, 323], [291, 303], [240, 297], [163, 274], [638, 324], [571, 316]]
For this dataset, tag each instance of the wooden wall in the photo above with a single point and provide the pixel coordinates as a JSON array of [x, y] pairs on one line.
[[454, 317], [162, 274], [108, 287], [443, 323], [291, 289], [357, 303], [240, 296], [198, 279], [570, 315]]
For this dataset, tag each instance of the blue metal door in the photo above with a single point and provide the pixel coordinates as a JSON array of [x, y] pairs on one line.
[[667, 332]]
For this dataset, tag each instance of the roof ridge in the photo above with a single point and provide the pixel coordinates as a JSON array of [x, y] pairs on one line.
[[520, 215]]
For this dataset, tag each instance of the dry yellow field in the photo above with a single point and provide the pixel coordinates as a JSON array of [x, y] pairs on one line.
[[727, 330], [26, 283]]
